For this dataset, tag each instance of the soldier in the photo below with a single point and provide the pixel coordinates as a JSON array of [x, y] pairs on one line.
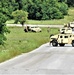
[[68, 25], [65, 25], [48, 29], [26, 29]]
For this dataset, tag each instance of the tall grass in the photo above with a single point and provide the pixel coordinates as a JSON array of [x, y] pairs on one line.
[[20, 42]]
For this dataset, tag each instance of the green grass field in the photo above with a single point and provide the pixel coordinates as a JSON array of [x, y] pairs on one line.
[[19, 42], [67, 19]]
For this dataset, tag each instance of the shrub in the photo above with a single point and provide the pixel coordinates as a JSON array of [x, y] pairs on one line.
[[20, 16]]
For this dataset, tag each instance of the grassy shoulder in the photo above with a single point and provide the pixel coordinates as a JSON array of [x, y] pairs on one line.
[[67, 19], [19, 42]]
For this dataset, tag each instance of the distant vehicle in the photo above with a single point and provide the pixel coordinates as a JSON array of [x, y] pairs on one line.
[[65, 30], [32, 29], [71, 24], [62, 39]]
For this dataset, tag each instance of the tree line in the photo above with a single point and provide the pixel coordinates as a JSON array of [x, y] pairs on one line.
[[37, 9]]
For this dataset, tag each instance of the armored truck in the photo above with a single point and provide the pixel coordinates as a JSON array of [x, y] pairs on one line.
[[32, 29], [62, 39], [65, 36]]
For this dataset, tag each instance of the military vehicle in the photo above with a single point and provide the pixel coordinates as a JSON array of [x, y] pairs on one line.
[[65, 30], [32, 29], [64, 37], [71, 24]]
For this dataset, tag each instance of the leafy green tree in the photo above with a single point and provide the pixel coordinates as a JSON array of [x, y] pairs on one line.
[[4, 15], [44, 9], [3, 28], [70, 3], [19, 4], [37, 9], [20, 16], [63, 8], [62, 1]]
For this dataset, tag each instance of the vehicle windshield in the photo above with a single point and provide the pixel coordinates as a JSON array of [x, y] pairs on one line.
[[34, 27], [72, 23], [63, 29]]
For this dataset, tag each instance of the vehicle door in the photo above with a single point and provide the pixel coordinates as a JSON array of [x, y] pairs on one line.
[[63, 39], [66, 39]]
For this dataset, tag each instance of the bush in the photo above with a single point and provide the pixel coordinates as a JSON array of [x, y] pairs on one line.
[[58, 15], [20, 16], [45, 9], [63, 8]]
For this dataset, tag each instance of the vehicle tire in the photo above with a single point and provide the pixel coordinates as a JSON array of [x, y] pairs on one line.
[[61, 44], [54, 43], [33, 31], [25, 30], [73, 43]]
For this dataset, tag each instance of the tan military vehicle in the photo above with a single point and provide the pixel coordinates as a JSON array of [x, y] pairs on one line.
[[32, 29], [62, 39], [71, 24], [65, 30], [35, 29]]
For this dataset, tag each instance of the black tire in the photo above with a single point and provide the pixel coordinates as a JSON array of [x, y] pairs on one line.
[[73, 43], [33, 31], [54, 43], [25, 30], [61, 44]]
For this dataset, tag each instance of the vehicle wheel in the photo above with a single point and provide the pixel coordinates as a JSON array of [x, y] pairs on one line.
[[55, 43], [25, 30], [73, 43], [61, 44], [33, 31]]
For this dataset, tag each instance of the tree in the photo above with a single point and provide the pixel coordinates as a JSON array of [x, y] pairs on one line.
[[4, 15], [19, 4], [63, 8], [20, 16], [43, 9], [3, 28], [62, 0], [70, 3]]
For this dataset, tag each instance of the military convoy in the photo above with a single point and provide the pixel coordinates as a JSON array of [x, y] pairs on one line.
[[64, 37]]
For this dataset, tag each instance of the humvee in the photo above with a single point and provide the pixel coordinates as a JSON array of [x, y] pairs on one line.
[[70, 24], [35, 29], [65, 30], [62, 39], [32, 29]]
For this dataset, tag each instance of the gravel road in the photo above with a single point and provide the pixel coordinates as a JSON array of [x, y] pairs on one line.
[[19, 25], [45, 60]]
